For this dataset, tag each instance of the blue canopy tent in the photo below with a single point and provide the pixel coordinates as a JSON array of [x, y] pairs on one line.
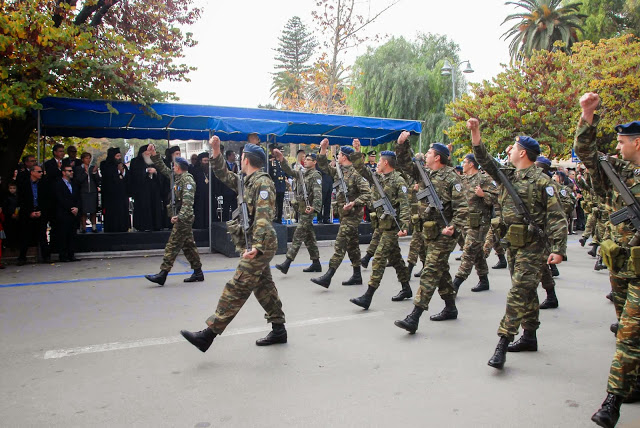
[[67, 117]]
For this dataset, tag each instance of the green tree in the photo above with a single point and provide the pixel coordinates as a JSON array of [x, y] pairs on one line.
[[539, 97], [110, 49], [540, 23], [610, 18], [401, 79]]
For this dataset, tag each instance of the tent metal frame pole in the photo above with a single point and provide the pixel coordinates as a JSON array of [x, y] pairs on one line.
[[39, 135], [420, 143]]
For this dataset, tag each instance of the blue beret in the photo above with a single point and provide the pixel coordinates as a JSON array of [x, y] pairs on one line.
[[528, 143], [312, 156], [458, 168], [441, 149], [543, 160], [184, 165], [254, 150], [562, 175], [388, 153], [347, 150], [631, 128], [471, 157]]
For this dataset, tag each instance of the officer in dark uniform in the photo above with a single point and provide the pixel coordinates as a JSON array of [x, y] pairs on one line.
[[372, 161], [279, 180]]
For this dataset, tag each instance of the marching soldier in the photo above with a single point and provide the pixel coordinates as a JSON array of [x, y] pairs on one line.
[[493, 241], [359, 195], [416, 246], [481, 192], [388, 251], [439, 239], [620, 252], [253, 274], [182, 217], [307, 207], [371, 248], [526, 252]]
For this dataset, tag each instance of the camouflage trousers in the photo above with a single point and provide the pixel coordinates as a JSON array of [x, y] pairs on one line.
[[387, 253], [416, 246], [436, 271], [304, 233], [251, 276], [375, 241], [347, 241], [523, 307], [472, 252], [181, 238], [594, 227], [626, 361], [492, 241]]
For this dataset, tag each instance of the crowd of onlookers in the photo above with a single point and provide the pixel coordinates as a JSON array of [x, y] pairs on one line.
[[47, 205]]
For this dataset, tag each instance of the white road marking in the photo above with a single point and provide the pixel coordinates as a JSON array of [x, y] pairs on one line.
[[116, 346]]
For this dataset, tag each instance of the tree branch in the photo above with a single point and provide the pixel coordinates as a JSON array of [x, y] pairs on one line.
[[106, 5], [57, 17], [86, 12]]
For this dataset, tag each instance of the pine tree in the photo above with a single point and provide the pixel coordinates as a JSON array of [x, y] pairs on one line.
[[295, 48]]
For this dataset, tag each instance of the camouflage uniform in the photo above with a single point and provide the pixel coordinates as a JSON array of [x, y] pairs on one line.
[[304, 231], [416, 246], [480, 209], [535, 189], [438, 247], [624, 278], [375, 241], [347, 240], [388, 250], [181, 237], [252, 275]]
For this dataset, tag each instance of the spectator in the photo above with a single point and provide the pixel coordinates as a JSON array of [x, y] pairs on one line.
[[229, 196], [146, 188], [299, 163], [52, 173], [88, 181], [200, 172], [32, 221], [28, 162], [327, 190], [115, 199], [10, 209], [72, 157], [194, 160], [67, 208], [280, 181]]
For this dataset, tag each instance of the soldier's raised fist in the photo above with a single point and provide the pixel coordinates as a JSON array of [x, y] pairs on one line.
[[589, 101], [473, 124], [403, 137]]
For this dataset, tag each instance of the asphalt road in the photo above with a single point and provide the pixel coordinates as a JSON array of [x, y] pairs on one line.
[[94, 344]]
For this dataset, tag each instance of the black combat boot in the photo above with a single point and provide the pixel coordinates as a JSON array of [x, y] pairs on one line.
[[527, 342], [614, 328], [551, 302], [554, 270], [634, 396], [356, 278], [325, 280], [500, 356], [405, 293], [159, 278], [410, 266], [599, 265], [609, 413], [594, 249], [582, 241], [278, 334], [410, 323], [502, 263], [450, 312], [200, 339], [364, 301], [284, 266], [417, 274], [482, 285], [609, 297], [196, 276], [457, 282], [314, 267], [364, 262], [458, 258]]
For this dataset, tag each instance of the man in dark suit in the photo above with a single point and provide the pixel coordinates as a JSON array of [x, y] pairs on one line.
[[67, 207], [32, 196], [52, 173]]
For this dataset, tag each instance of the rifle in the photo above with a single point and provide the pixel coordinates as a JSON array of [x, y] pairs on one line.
[[429, 192], [631, 211], [384, 201], [173, 191], [242, 210], [340, 184], [304, 187]]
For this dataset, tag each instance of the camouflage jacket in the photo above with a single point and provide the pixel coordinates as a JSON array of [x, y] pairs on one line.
[[566, 197], [480, 205], [260, 196], [394, 187], [585, 147], [448, 187], [358, 188], [537, 192], [313, 182], [184, 189]]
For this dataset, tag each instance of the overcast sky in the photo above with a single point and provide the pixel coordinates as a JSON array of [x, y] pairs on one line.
[[234, 55]]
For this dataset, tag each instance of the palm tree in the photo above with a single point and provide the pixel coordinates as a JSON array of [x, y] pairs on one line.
[[286, 86], [542, 24]]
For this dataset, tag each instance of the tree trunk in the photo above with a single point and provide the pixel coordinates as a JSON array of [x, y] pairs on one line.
[[13, 139]]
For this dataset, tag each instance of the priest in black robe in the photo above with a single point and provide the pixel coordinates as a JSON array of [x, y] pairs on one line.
[[115, 198], [201, 175], [146, 188]]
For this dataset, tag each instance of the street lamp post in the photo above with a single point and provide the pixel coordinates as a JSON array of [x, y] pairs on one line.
[[448, 69]]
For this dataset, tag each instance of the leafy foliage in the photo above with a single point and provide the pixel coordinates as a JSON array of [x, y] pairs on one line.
[[610, 18]]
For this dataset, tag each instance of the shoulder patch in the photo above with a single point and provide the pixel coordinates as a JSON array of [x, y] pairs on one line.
[[264, 194], [563, 192], [189, 187], [319, 181], [458, 187], [636, 171], [404, 189], [494, 183], [549, 190]]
